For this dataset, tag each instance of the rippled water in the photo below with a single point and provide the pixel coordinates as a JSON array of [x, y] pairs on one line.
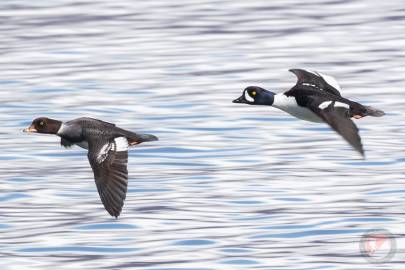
[[227, 186]]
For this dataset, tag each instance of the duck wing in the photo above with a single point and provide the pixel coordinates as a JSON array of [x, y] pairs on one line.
[[317, 80], [109, 159], [337, 116]]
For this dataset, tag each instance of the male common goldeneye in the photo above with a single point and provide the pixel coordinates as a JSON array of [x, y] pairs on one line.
[[316, 98], [107, 152]]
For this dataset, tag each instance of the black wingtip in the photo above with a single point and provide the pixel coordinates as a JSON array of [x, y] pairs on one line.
[[360, 150], [113, 212], [296, 71]]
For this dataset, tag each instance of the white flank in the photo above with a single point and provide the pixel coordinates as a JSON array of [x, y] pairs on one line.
[[324, 104], [340, 104], [103, 153], [248, 97], [121, 144], [289, 105]]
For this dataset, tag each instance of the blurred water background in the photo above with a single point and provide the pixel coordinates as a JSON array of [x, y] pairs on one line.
[[227, 186]]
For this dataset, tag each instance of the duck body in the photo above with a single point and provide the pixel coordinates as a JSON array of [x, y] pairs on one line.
[[289, 105], [107, 147], [82, 131], [315, 98]]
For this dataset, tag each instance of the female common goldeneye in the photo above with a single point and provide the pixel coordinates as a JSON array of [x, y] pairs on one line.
[[107, 152], [316, 98]]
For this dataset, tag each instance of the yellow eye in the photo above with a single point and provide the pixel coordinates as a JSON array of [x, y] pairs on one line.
[[253, 93]]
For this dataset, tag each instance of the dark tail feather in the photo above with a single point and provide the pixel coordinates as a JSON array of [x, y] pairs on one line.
[[371, 111], [140, 138], [146, 138]]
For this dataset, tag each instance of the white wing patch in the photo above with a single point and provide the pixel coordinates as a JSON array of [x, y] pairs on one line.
[[121, 144], [324, 104], [340, 104], [312, 85], [103, 153], [248, 97]]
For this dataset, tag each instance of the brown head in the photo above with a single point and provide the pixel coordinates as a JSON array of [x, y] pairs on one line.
[[44, 125]]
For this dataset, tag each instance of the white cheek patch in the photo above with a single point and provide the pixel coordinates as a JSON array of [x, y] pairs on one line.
[[248, 97], [324, 104], [103, 153], [121, 144], [343, 105]]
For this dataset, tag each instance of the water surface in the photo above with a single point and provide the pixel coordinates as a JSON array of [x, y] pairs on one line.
[[227, 186]]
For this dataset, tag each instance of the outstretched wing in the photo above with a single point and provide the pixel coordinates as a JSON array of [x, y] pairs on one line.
[[109, 163], [317, 80], [336, 115]]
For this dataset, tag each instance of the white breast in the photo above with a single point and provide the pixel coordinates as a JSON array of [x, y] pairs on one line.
[[61, 129], [289, 105]]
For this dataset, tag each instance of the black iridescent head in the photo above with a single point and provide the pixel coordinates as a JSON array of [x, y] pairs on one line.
[[44, 125], [254, 95]]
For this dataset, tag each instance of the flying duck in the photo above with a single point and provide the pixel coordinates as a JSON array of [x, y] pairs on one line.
[[315, 98], [107, 147]]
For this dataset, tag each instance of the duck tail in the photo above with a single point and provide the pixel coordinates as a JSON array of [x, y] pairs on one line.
[[371, 111], [146, 138], [137, 138]]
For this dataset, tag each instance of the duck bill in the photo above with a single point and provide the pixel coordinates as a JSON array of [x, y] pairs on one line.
[[30, 129], [240, 99]]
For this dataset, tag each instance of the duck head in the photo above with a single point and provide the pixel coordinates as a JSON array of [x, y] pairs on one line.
[[254, 95], [44, 125]]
